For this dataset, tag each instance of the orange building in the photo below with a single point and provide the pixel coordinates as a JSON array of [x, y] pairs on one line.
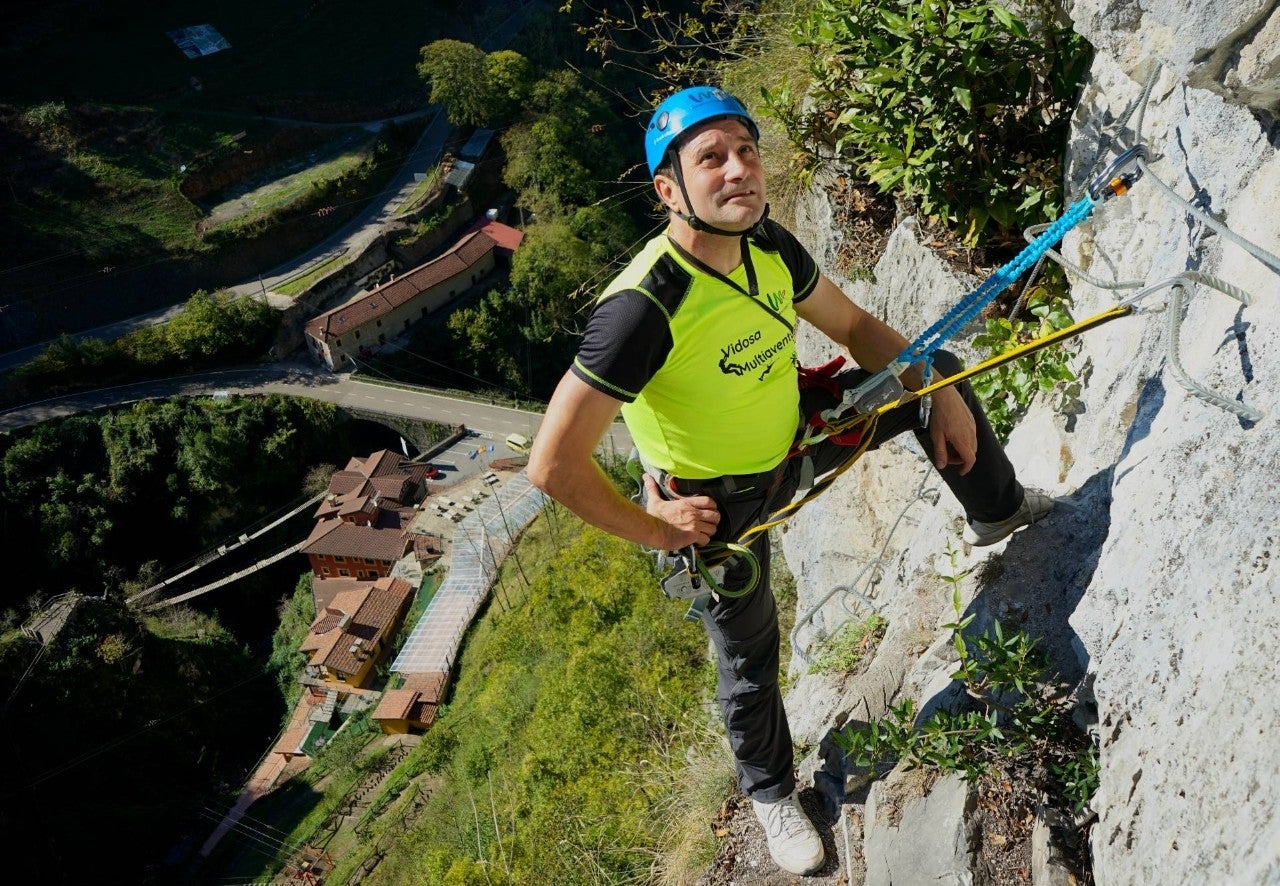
[[371, 319], [351, 633], [412, 707]]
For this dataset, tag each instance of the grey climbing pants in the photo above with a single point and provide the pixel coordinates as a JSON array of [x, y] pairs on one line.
[[744, 630]]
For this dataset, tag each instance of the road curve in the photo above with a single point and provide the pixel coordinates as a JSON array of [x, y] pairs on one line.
[[301, 380]]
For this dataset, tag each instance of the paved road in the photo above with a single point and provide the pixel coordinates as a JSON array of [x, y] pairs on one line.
[[301, 380]]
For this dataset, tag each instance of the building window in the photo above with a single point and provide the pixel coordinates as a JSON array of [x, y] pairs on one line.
[[379, 321], [338, 558], [357, 333], [369, 560], [324, 570], [344, 573], [406, 324]]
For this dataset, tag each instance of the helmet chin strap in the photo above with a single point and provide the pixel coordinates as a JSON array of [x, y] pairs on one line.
[[696, 223]]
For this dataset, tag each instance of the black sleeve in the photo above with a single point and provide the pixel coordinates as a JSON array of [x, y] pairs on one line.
[[804, 270], [627, 340]]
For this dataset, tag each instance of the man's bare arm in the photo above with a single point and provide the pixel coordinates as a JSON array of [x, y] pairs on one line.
[[562, 466]]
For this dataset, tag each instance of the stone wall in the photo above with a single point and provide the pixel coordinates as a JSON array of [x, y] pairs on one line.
[[1155, 579]]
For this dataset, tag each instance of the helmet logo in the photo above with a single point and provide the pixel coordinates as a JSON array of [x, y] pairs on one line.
[[699, 96]]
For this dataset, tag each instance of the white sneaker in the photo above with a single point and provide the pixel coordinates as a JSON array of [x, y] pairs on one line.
[[793, 841], [1035, 504]]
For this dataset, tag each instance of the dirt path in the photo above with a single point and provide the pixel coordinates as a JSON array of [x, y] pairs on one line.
[[742, 858]]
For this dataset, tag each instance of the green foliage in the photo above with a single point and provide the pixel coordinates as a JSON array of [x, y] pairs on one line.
[[562, 705], [213, 329], [1019, 717], [526, 334], [956, 104], [1078, 776], [1006, 392], [475, 88], [342, 753], [568, 147], [547, 273], [94, 498], [107, 699], [850, 646], [286, 662]]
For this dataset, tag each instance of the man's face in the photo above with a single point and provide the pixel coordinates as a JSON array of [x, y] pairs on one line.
[[723, 175]]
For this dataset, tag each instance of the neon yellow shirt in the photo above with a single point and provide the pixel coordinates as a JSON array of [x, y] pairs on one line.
[[706, 373]]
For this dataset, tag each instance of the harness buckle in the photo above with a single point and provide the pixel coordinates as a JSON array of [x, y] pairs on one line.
[[881, 389], [683, 582]]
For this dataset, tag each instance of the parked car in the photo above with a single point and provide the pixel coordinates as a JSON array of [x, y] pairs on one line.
[[434, 473]]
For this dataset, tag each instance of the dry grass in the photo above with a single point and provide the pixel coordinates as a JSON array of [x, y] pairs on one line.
[[696, 789]]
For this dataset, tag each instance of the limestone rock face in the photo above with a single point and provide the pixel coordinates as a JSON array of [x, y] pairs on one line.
[[914, 836], [1231, 47], [1156, 577]]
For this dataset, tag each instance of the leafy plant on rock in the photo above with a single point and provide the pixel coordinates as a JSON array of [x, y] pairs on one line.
[[1018, 716], [1006, 392], [850, 646], [955, 104]]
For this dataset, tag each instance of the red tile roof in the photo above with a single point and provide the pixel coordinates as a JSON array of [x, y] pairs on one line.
[[431, 684], [325, 589], [368, 306], [395, 704], [367, 614], [338, 538], [417, 701], [346, 481], [504, 236]]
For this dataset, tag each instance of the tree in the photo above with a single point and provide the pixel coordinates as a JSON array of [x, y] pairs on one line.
[[490, 338], [571, 148], [475, 89], [509, 79], [548, 271]]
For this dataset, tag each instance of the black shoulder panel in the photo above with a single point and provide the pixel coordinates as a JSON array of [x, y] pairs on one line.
[[765, 237], [667, 283]]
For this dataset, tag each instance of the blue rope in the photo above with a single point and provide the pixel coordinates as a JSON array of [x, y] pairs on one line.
[[928, 342]]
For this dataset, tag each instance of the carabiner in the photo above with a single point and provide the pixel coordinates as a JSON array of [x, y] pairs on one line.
[[1114, 182]]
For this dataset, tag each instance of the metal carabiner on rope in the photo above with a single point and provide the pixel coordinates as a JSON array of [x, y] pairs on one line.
[[1120, 175]]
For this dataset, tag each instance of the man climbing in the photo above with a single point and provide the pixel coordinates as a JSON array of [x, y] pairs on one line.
[[695, 342]]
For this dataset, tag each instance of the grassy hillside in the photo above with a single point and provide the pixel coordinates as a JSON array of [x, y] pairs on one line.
[[578, 727]]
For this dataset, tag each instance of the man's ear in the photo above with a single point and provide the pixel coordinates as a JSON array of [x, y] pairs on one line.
[[668, 192]]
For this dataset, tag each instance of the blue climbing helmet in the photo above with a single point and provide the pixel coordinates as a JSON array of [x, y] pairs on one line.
[[683, 111]]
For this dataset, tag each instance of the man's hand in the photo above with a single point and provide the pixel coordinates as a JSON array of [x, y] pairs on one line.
[[692, 520], [954, 434]]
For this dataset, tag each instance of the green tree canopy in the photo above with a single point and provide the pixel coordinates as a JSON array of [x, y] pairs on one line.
[[475, 89], [570, 149]]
